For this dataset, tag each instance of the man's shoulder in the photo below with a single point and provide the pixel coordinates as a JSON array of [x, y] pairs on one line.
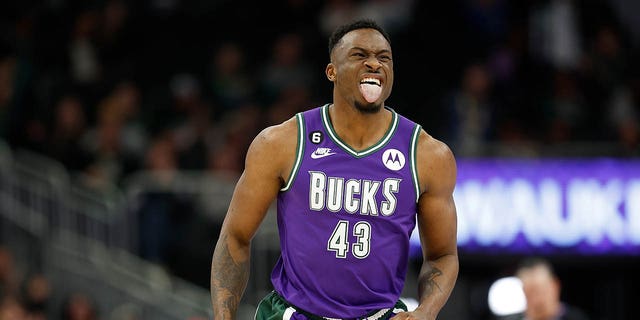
[[278, 132], [436, 164], [431, 147], [274, 147], [282, 135]]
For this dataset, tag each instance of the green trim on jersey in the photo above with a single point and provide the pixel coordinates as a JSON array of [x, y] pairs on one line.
[[299, 152], [413, 156], [359, 154], [272, 307]]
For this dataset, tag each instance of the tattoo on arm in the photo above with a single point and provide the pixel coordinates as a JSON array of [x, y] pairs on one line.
[[228, 280], [427, 283]]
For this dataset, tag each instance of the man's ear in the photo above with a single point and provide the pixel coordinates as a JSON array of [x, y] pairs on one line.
[[331, 72]]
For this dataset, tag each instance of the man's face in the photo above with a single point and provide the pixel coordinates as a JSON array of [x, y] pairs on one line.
[[362, 69], [542, 292]]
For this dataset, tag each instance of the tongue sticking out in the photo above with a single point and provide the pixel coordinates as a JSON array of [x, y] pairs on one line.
[[371, 92]]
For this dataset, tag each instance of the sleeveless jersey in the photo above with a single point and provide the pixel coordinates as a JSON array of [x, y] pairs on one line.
[[345, 218]]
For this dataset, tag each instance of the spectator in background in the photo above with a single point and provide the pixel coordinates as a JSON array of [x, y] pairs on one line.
[[194, 138], [604, 73], [471, 111], [37, 296], [79, 306], [229, 81], [116, 141], [554, 34], [7, 67], [9, 280], [334, 13], [624, 116], [103, 143], [186, 96], [68, 127], [285, 68], [486, 23], [11, 309], [193, 129], [566, 109], [125, 99], [292, 99], [168, 219], [542, 288], [85, 65], [393, 15], [607, 59], [20, 119], [154, 209], [116, 39], [237, 129]]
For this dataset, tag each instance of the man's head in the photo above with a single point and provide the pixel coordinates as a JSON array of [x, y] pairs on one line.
[[541, 288], [337, 35], [361, 65]]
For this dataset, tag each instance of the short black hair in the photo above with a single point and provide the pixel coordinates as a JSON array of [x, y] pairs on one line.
[[337, 35], [535, 261]]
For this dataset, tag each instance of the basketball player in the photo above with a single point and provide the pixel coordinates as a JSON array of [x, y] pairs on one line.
[[351, 179]]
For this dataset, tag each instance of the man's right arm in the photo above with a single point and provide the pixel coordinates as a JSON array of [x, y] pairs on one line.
[[268, 156], [228, 276]]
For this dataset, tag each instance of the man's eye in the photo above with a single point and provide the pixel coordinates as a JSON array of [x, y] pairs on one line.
[[358, 54]]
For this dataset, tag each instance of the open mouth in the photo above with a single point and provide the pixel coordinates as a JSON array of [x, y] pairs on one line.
[[370, 81], [371, 89]]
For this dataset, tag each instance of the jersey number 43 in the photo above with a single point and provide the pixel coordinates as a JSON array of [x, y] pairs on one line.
[[339, 240]]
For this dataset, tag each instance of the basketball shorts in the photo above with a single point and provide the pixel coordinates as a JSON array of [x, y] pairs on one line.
[[274, 307]]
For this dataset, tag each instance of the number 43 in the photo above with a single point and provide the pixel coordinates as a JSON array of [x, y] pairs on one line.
[[339, 241]]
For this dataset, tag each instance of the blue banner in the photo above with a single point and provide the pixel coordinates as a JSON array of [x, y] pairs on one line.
[[546, 206]]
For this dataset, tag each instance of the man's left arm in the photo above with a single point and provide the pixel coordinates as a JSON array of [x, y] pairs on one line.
[[437, 224]]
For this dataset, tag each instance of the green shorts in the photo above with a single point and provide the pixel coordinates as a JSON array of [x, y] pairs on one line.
[[274, 307]]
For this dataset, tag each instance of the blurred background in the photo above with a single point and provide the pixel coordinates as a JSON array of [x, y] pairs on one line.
[[124, 125]]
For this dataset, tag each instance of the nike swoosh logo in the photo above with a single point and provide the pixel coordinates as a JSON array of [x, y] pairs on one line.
[[321, 155]]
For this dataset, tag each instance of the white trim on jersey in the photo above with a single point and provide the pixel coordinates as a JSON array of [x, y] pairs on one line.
[[288, 313]]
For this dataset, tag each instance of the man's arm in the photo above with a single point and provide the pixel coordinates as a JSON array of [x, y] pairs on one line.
[[437, 223], [269, 155]]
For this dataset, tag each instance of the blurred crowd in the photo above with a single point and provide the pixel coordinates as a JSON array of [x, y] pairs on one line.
[[112, 87], [29, 296], [543, 73]]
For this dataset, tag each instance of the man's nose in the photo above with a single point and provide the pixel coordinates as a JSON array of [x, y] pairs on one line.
[[372, 63]]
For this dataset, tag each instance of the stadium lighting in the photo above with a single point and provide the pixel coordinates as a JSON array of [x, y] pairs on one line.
[[506, 297]]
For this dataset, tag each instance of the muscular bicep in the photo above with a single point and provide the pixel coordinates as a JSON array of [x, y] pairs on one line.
[[437, 220], [249, 204], [437, 225]]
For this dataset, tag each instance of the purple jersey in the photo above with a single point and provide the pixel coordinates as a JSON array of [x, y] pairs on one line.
[[345, 218]]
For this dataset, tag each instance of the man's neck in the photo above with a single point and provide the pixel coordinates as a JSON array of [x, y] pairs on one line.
[[358, 129]]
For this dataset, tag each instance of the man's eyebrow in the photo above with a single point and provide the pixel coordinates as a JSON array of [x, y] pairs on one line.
[[367, 50]]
